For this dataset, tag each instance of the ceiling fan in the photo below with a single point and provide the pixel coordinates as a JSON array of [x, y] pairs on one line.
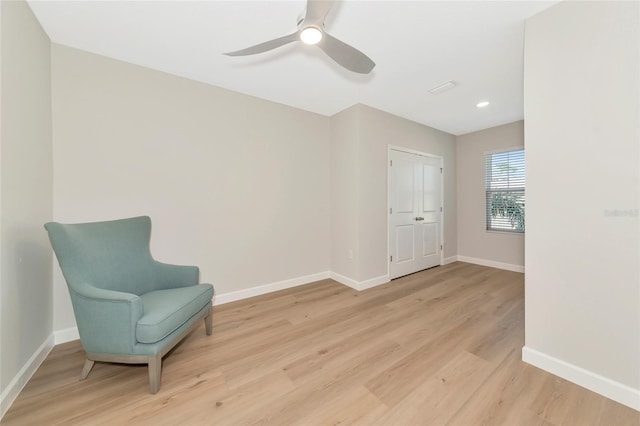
[[311, 31]]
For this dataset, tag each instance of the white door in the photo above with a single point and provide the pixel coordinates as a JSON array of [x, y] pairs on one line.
[[415, 212]]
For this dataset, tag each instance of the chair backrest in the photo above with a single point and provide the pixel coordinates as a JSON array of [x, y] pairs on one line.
[[112, 255]]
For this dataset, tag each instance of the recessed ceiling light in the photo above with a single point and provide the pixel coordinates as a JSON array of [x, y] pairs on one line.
[[311, 35], [482, 104]]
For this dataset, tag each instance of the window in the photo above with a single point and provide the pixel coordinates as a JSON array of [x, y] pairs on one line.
[[505, 183]]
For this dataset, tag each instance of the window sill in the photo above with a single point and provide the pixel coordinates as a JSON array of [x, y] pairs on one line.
[[493, 231]]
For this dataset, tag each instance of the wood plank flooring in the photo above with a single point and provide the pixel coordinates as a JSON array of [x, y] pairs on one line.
[[440, 347]]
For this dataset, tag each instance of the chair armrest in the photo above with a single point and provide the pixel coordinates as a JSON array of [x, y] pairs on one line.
[[106, 319], [174, 276]]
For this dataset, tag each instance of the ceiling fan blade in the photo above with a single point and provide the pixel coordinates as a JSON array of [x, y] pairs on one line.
[[345, 55], [317, 10], [266, 46]]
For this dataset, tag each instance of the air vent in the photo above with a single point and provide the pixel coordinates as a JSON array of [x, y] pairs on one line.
[[443, 87]]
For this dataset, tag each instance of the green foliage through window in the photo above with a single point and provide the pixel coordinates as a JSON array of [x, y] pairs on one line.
[[509, 206]]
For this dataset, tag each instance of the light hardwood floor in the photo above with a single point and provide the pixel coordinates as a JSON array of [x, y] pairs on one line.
[[442, 346]]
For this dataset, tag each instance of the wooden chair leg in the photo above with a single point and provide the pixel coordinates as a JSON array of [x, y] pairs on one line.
[[155, 371], [88, 365], [207, 324]]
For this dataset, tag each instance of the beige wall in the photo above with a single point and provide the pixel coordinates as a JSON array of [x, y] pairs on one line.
[[582, 94], [364, 176], [25, 193], [473, 239], [236, 185], [344, 193]]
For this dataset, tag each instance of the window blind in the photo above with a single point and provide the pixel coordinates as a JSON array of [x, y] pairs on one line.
[[505, 191]]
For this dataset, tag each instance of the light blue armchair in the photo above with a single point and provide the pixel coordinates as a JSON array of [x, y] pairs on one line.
[[129, 308]]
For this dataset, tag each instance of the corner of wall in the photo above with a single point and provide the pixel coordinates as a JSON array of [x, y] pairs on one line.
[[13, 389], [26, 194]]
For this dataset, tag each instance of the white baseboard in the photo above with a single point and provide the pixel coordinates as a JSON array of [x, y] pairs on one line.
[[344, 280], [373, 282], [448, 260], [609, 388], [491, 263], [220, 299], [359, 285], [66, 335], [11, 392]]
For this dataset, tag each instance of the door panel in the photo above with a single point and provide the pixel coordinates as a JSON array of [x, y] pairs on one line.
[[405, 196], [431, 177], [404, 243], [415, 200], [429, 238]]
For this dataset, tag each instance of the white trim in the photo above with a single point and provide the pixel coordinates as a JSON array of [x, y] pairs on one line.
[[373, 282], [492, 152], [11, 392], [344, 280], [220, 299], [66, 335], [497, 231], [501, 150], [449, 260], [359, 285], [491, 263], [609, 388], [413, 151]]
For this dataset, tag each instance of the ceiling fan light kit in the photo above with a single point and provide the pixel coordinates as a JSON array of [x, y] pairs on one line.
[[311, 32], [311, 35]]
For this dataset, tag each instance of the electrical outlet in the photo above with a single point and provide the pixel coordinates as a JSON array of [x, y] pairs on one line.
[[349, 254]]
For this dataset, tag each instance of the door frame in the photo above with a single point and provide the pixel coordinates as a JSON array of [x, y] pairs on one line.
[[441, 230]]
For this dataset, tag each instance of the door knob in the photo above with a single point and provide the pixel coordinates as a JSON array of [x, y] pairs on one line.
[[418, 219]]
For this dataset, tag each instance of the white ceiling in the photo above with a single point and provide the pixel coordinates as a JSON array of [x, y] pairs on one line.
[[416, 45]]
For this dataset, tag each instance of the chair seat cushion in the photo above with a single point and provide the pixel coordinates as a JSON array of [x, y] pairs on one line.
[[166, 310]]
